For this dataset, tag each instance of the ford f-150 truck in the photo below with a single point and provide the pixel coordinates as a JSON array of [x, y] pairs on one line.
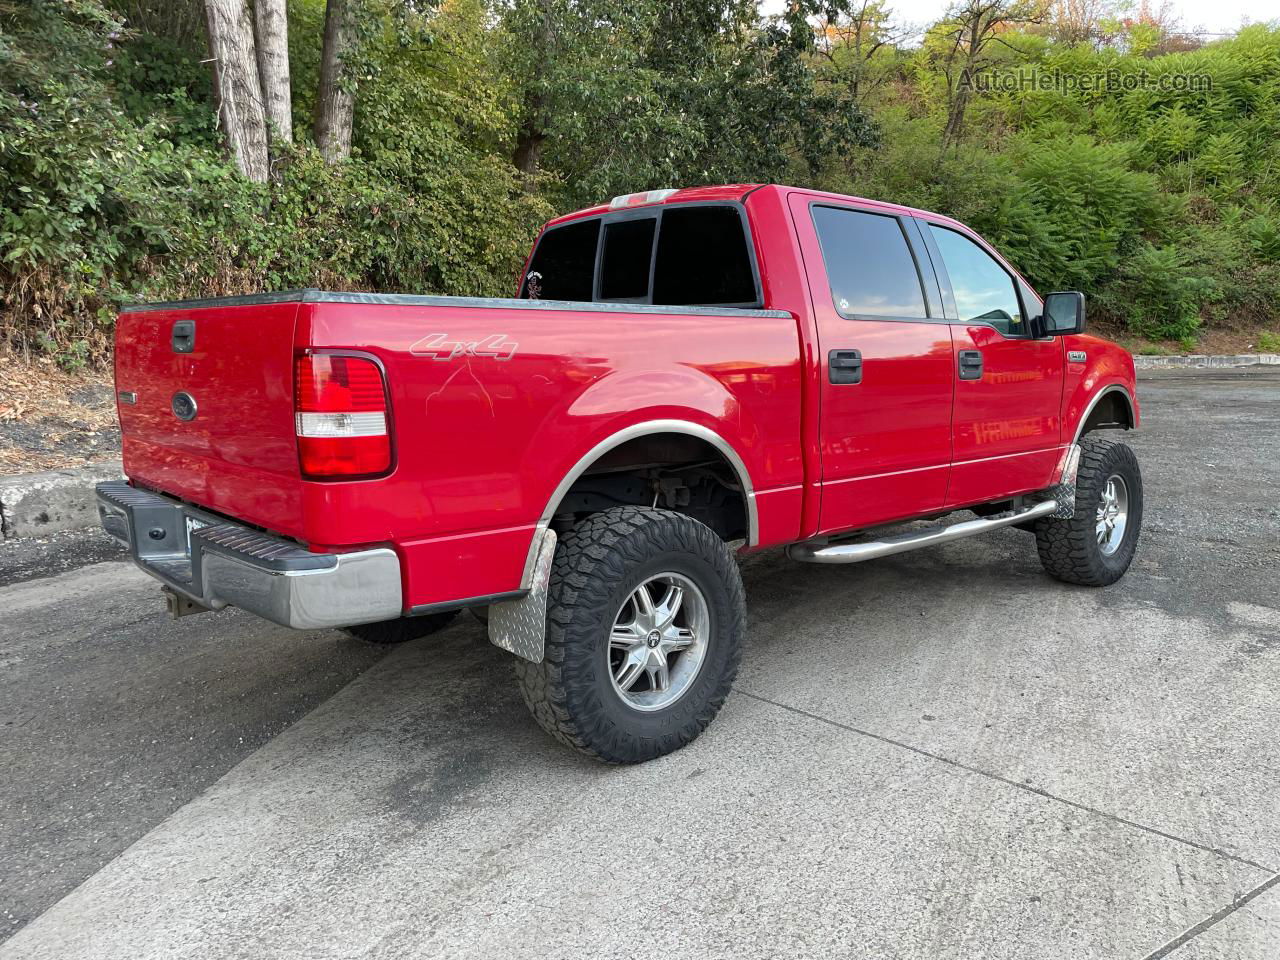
[[684, 375]]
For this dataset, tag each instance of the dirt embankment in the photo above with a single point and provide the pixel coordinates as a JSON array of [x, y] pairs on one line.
[[51, 419]]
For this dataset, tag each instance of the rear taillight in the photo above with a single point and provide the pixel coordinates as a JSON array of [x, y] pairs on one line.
[[340, 408]]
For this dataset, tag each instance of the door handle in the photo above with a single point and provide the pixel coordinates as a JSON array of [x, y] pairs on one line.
[[183, 339], [844, 366], [970, 364]]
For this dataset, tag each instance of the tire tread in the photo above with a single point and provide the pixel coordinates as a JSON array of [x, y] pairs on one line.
[[1068, 548], [590, 561]]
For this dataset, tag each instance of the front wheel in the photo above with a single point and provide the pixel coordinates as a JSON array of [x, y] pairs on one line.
[[645, 619], [1095, 547]]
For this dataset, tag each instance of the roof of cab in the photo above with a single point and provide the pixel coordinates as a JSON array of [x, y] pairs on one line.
[[733, 191], [738, 192]]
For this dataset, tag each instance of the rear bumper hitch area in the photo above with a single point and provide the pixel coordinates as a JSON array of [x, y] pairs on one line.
[[207, 562]]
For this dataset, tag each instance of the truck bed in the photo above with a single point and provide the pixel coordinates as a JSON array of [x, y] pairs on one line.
[[492, 402]]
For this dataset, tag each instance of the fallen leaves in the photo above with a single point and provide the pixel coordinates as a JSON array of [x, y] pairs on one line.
[[51, 419]]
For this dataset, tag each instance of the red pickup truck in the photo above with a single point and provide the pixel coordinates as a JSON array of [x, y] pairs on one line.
[[684, 375]]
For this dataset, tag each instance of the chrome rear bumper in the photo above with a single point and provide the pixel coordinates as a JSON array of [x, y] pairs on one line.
[[216, 563]]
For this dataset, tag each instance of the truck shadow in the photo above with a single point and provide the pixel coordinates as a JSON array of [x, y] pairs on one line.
[[455, 709]]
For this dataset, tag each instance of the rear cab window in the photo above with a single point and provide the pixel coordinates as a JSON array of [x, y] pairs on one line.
[[703, 259], [627, 260], [870, 267], [696, 255], [564, 265]]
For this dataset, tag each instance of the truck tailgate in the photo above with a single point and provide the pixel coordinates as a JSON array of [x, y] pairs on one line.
[[205, 396]]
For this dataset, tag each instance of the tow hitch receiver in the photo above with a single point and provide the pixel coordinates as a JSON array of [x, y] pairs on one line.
[[180, 606]]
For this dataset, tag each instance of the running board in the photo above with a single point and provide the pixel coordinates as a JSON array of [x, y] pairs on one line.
[[819, 551]]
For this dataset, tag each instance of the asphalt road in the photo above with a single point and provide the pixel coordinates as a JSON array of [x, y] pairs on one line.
[[940, 754]]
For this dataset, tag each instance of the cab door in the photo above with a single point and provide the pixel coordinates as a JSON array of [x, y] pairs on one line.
[[886, 362], [1007, 423]]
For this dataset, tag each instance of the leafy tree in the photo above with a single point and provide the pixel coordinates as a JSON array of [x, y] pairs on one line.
[[964, 39], [858, 42], [612, 98], [469, 122]]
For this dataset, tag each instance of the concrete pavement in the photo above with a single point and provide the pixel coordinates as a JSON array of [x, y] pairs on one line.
[[941, 754], [113, 717]]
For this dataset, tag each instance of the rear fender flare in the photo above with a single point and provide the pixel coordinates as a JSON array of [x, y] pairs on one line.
[[519, 626], [642, 429]]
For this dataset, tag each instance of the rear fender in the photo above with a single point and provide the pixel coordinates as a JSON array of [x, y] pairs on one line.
[[698, 406], [609, 413], [519, 626]]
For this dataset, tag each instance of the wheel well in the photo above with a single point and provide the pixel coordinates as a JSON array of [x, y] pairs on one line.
[[1112, 412], [673, 471]]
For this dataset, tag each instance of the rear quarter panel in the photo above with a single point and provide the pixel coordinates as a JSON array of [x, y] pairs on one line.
[[483, 441]]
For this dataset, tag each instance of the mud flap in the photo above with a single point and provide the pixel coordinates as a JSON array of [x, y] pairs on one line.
[[520, 626], [1064, 492]]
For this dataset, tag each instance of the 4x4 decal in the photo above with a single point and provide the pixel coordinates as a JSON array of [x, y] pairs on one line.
[[438, 346]]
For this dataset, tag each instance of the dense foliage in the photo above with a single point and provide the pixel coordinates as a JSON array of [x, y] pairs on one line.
[[478, 119]]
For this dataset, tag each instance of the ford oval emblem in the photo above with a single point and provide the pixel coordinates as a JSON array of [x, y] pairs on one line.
[[184, 406]]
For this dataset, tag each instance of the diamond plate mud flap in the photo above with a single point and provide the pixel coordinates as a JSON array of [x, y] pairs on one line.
[[520, 626], [1064, 491]]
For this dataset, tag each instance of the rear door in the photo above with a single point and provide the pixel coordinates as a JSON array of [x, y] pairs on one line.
[[1007, 421], [886, 363]]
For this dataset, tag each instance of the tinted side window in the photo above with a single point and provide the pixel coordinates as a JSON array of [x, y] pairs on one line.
[[703, 258], [983, 290], [628, 250], [869, 265], [563, 266]]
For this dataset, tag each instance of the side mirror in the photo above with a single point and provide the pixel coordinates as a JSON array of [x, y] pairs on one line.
[[1063, 313]]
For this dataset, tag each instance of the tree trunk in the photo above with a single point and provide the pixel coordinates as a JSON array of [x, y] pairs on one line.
[[531, 134], [977, 30], [955, 116], [527, 155], [237, 91], [334, 104], [273, 67]]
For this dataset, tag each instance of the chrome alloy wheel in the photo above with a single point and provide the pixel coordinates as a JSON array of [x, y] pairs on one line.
[[1113, 515], [658, 641]]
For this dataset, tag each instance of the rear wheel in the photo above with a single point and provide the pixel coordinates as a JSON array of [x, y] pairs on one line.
[[645, 620], [401, 629], [1095, 547]]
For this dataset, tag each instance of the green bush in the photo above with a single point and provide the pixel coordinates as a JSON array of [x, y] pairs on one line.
[[1159, 293], [113, 196], [1162, 205]]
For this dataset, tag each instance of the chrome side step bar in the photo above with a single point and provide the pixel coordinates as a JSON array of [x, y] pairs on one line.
[[820, 551]]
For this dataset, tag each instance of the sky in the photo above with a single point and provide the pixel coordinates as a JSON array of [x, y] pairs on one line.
[[1218, 16]]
